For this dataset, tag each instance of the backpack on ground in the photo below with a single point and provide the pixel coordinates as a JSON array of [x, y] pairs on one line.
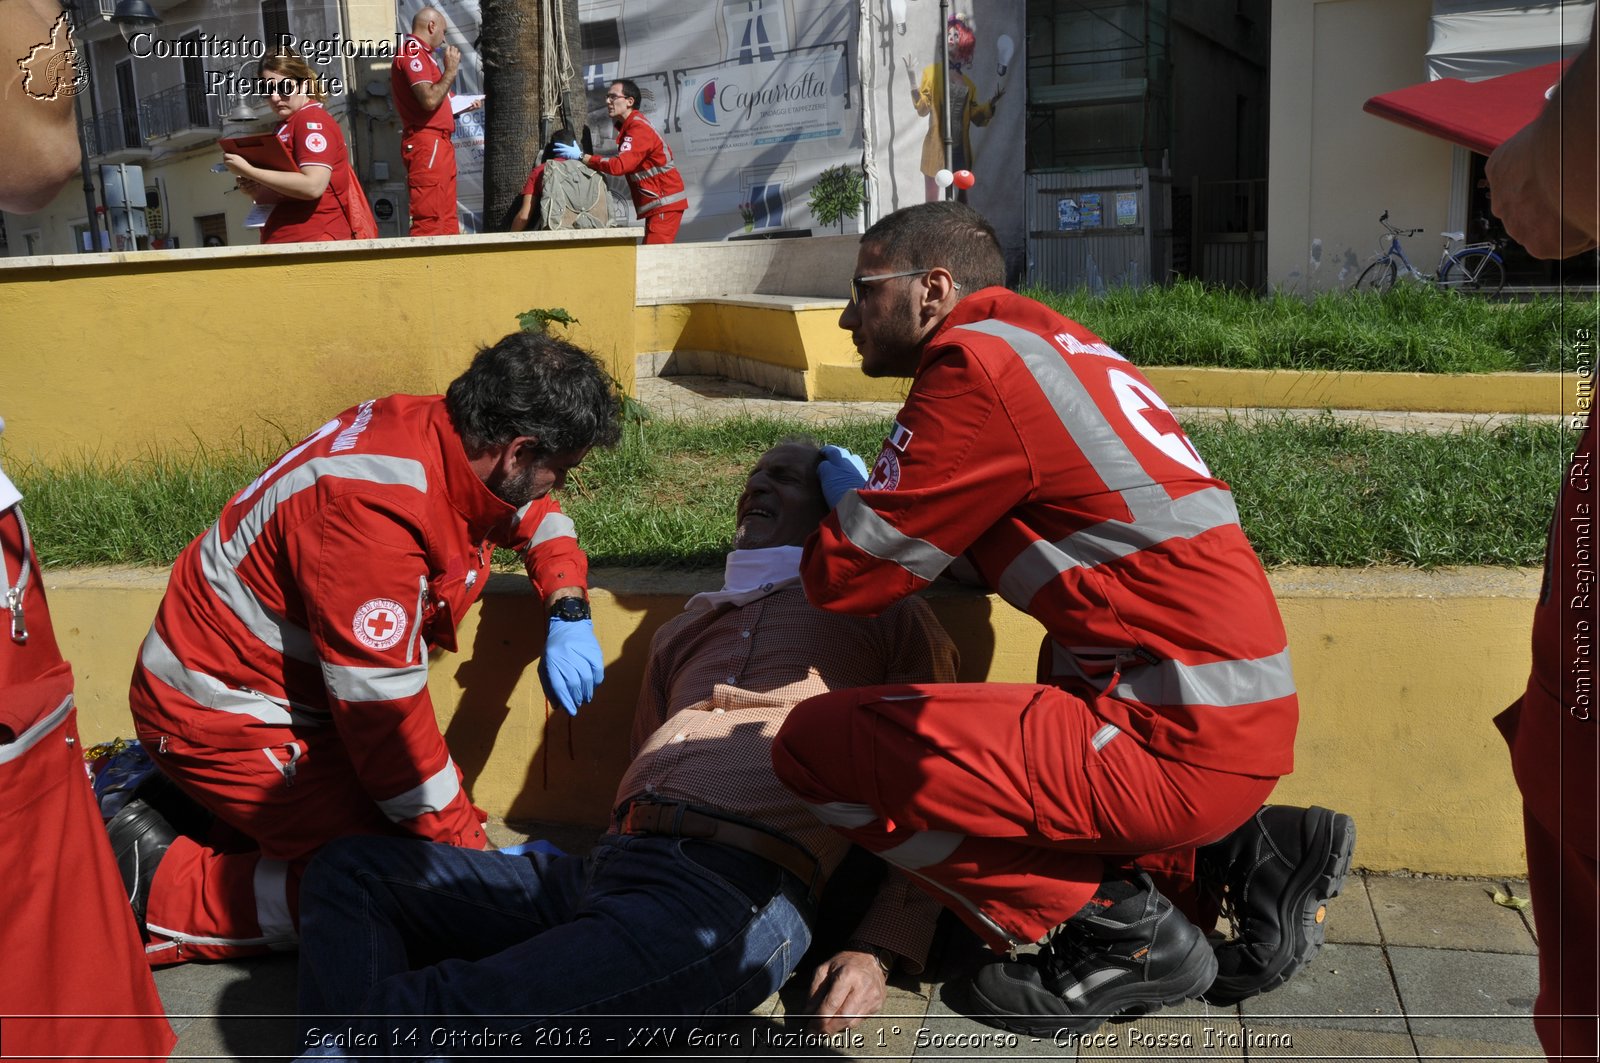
[[572, 196]]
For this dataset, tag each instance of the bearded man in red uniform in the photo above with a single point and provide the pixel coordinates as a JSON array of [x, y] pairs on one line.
[[645, 160], [421, 90], [284, 683], [1033, 455]]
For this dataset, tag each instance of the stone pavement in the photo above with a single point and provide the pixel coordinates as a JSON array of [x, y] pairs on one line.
[[1414, 969]]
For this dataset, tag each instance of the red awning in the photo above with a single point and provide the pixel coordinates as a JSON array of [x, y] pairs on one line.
[[1479, 115]]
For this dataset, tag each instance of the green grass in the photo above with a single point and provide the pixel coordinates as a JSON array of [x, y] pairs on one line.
[[1411, 329], [1317, 492]]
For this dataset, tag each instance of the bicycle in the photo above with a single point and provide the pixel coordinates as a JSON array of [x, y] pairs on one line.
[[1473, 268]]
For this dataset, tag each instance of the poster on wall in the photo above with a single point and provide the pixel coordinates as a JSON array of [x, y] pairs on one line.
[[757, 98], [987, 99]]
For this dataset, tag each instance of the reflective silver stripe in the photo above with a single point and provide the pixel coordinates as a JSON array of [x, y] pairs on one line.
[[219, 560], [35, 734], [923, 848], [1223, 683], [844, 814], [553, 526], [957, 900], [272, 900], [1080, 415], [1184, 517], [433, 795], [653, 207], [1103, 737], [288, 639], [1095, 980], [159, 660], [655, 171], [873, 535], [178, 937], [349, 683]]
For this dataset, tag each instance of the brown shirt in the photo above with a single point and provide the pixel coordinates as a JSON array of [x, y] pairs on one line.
[[720, 683]]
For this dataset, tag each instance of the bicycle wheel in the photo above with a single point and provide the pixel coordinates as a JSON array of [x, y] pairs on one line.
[[1478, 272], [1378, 277]]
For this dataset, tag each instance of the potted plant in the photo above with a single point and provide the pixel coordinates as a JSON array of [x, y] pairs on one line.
[[839, 193]]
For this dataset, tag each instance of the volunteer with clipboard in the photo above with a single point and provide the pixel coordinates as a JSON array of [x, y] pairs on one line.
[[307, 200]]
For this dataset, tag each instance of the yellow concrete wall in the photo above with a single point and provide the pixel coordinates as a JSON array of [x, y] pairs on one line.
[[114, 354], [1400, 673], [799, 340]]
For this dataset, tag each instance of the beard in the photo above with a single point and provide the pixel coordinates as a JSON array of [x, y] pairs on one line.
[[516, 491], [894, 346]]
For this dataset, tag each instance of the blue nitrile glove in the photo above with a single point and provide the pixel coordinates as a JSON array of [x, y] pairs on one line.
[[840, 471], [568, 151], [572, 665]]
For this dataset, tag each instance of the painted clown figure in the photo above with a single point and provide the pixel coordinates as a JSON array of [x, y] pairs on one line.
[[928, 97]]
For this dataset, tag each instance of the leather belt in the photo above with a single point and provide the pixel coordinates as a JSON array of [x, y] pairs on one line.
[[678, 819]]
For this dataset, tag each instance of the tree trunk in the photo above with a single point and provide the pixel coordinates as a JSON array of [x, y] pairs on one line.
[[512, 49], [574, 102]]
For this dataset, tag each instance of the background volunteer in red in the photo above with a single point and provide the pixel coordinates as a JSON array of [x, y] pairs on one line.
[[1035, 457], [644, 159], [421, 91], [308, 200], [284, 683]]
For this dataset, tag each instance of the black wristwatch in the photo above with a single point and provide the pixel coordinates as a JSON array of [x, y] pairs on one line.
[[572, 608]]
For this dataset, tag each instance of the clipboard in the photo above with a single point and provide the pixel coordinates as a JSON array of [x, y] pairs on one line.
[[263, 150], [1477, 115]]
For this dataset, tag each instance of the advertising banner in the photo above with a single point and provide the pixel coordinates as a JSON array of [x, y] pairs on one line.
[[758, 98]]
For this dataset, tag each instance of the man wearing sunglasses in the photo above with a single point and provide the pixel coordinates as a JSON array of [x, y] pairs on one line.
[[1032, 455], [421, 89], [645, 160]]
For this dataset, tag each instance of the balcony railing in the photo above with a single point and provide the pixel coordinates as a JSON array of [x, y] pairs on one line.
[[179, 110], [114, 131]]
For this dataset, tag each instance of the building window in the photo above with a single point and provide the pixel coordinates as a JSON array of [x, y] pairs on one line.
[[766, 205], [275, 24], [128, 105], [601, 44]]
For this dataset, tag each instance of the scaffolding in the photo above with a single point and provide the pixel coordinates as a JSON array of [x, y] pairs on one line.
[[1099, 84]]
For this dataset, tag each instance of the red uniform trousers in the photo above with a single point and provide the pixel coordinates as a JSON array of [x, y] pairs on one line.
[[1566, 896], [69, 933], [1007, 802], [239, 895], [662, 226], [430, 159]]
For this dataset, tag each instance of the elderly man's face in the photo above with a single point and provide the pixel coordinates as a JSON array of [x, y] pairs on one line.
[[782, 501]]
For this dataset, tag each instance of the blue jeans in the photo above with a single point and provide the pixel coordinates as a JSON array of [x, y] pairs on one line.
[[425, 951]]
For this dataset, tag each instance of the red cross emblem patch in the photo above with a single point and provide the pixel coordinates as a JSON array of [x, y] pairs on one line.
[[380, 623]]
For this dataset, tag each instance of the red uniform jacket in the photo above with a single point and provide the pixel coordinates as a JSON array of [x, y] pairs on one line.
[[414, 64], [646, 161], [314, 599], [313, 139], [1554, 729], [1035, 450]]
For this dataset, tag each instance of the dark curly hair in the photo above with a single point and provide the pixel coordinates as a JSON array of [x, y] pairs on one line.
[[532, 384]]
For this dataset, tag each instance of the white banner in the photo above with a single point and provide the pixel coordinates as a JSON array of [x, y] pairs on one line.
[[802, 95]]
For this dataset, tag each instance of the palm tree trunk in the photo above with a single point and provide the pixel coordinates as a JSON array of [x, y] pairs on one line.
[[512, 48]]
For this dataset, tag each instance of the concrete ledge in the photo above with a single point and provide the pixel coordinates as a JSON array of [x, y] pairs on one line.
[[1400, 673], [1512, 393]]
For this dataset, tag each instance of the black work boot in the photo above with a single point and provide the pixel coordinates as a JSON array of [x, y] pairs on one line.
[[1129, 955], [139, 839], [1275, 876]]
